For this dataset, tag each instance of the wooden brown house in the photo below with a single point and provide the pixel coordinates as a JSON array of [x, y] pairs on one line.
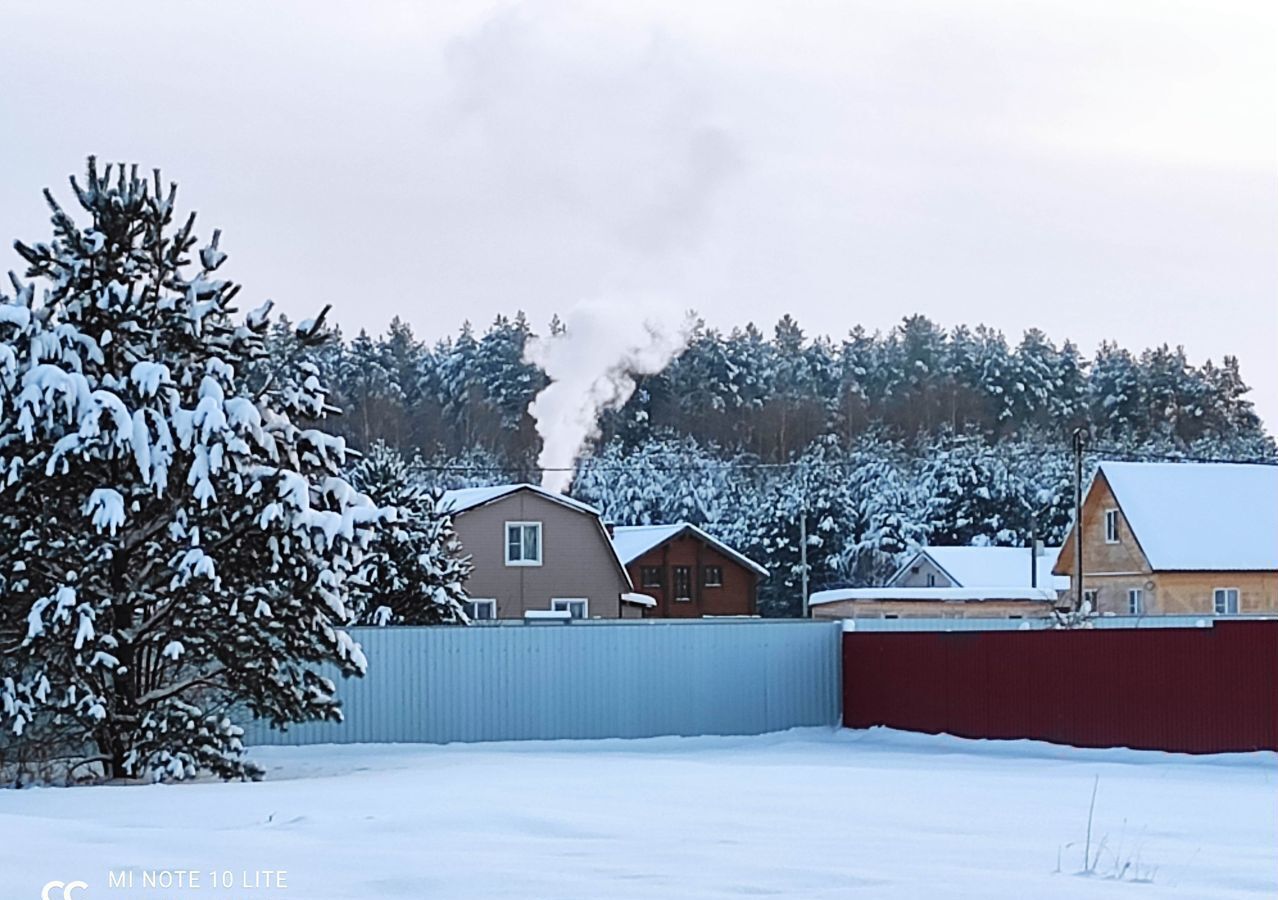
[[689, 573]]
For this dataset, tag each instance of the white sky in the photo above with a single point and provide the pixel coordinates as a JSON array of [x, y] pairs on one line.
[[1097, 169]]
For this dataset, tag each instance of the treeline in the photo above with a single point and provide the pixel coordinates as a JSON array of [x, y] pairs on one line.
[[770, 397]]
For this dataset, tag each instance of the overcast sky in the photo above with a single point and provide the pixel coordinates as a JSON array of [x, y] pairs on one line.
[[1096, 169]]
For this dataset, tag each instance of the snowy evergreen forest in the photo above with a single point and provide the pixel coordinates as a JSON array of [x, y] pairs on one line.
[[920, 434]]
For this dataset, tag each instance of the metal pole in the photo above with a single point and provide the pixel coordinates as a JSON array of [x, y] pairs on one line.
[[803, 548], [1033, 550], [1079, 438]]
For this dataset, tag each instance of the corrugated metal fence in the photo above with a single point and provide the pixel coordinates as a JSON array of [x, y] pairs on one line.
[[584, 680], [1208, 688]]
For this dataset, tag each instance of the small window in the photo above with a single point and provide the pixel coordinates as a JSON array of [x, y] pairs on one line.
[[650, 576], [931, 579], [682, 582], [481, 610], [712, 576], [1135, 602], [576, 608], [1111, 526], [1225, 601], [523, 543], [1089, 597]]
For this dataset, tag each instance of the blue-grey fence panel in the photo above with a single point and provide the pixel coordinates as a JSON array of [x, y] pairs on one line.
[[584, 680]]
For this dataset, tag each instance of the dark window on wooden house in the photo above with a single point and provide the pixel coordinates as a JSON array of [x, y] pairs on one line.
[[650, 577], [682, 582], [712, 576]]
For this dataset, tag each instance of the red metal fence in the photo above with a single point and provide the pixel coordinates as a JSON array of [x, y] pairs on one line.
[[1195, 690]]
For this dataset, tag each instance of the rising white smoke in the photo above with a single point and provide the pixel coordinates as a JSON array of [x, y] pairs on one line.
[[591, 367]]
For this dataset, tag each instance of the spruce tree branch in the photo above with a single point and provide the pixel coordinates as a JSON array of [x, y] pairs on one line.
[[179, 687]]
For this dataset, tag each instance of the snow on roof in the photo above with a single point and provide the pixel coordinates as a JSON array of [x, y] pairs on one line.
[[639, 599], [1200, 516], [993, 566], [463, 499], [1044, 595], [633, 541]]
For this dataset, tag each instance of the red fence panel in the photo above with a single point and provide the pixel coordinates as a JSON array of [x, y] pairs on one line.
[[1194, 690]]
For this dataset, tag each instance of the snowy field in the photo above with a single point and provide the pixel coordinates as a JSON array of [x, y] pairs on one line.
[[811, 813]]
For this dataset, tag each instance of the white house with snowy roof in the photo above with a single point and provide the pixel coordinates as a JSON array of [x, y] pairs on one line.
[[1178, 539], [978, 567], [953, 583]]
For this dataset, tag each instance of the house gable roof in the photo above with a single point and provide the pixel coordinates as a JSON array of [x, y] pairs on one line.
[[1199, 517], [633, 541], [981, 567], [464, 499]]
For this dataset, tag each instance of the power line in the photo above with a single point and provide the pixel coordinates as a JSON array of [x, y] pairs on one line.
[[1143, 455], [623, 466], [840, 465]]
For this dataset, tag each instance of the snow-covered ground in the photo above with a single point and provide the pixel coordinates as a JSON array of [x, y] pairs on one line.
[[810, 814]]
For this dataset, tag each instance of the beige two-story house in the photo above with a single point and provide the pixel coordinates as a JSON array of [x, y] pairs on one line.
[[534, 551], [1178, 539]]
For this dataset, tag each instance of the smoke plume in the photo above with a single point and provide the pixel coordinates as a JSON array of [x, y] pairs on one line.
[[591, 366]]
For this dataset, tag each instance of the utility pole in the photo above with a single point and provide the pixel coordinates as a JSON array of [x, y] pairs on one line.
[[803, 549], [1033, 549], [1080, 439]]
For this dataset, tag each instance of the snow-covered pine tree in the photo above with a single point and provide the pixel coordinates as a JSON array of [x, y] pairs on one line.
[[371, 388], [174, 548], [414, 572]]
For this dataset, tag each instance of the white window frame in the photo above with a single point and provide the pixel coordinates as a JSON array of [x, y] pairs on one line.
[[1091, 595], [505, 543], [1237, 601], [1111, 519], [474, 602], [1135, 601], [555, 605]]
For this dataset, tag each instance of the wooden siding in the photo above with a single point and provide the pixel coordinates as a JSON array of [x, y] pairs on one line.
[[932, 609], [577, 560], [1187, 593], [735, 598]]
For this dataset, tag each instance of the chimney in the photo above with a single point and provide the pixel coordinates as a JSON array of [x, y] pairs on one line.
[[611, 528]]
